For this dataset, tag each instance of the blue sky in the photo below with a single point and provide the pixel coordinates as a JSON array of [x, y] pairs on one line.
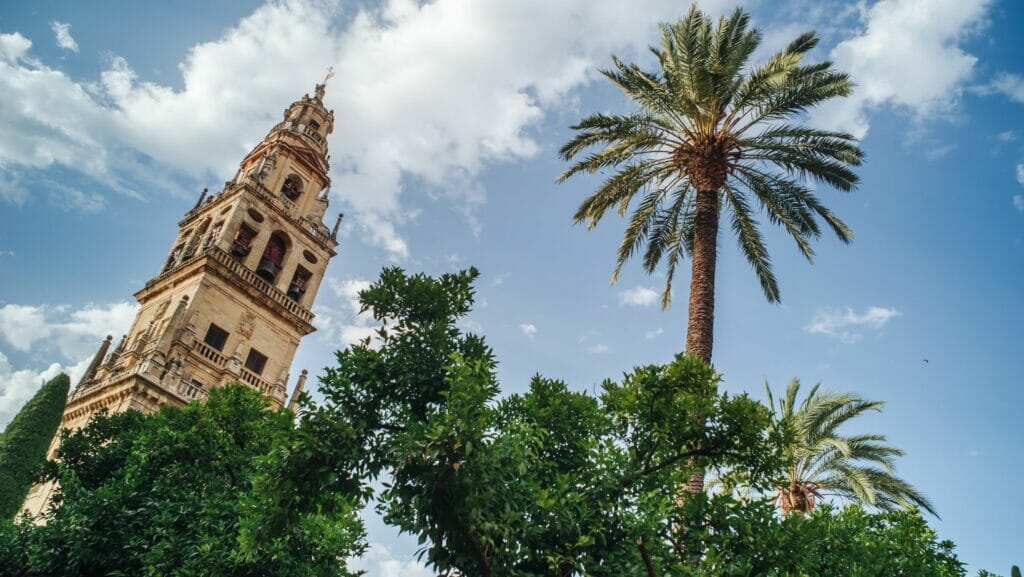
[[449, 116]]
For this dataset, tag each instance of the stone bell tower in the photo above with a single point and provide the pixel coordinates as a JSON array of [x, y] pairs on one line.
[[232, 299]]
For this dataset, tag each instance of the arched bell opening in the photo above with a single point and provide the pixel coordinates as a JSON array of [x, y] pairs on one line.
[[292, 187], [300, 280], [241, 246], [273, 257]]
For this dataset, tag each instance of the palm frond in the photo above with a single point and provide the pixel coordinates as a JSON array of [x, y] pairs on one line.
[[706, 117], [855, 467]]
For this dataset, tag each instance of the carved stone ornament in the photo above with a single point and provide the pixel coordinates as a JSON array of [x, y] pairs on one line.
[[247, 325]]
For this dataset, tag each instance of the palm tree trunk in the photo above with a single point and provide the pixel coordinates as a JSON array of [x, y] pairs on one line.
[[700, 324]]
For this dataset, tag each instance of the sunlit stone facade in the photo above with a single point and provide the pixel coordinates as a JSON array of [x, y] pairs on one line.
[[232, 299]]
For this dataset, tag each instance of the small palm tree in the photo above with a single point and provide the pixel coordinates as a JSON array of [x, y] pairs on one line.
[[825, 463], [713, 135]]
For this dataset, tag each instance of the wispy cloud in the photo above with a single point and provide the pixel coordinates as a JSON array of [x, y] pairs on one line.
[[468, 114], [63, 33], [528, 329], [345, 323], [638, 296], [598, 349], [1009, 85], [52, 331], [844, 324], [1018, 202], [651, 335]]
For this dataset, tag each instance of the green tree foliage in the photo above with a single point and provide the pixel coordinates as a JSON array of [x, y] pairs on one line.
[[177, 493], [557, 482], [850, 542], [548, 482], [822, 462], [26, 439], [1015, 571]]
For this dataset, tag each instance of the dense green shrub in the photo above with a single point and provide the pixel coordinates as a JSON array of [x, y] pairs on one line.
[[25, 441]]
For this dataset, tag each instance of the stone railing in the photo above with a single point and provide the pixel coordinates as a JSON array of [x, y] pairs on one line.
[[266, 288], [211, 354], [221, 256], [303, 129], [250, 378], [191, 392]]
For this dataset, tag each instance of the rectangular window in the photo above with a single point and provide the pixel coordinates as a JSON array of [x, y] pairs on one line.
[[216, 337], [314, 124], [255, 362]]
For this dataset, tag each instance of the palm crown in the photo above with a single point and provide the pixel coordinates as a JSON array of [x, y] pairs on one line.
[[823, 462], [713, 132]]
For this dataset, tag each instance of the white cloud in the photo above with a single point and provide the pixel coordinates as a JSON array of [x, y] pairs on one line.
[[651, 335], [18, 386], [63, 33], [379, 561], [1008, 136], [908, 56], [1018, 202], [842, 324], [73, 333], [528, 329], [638, 296], [1020, 173], [53, 331], [1009, 85], [14, 47], [598, 349], [442, 113], [345, 325], [499, 280], [470, 326]]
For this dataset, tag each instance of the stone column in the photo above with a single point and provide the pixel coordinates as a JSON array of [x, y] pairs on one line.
[[299, 387], [259, 243], [96, 360]]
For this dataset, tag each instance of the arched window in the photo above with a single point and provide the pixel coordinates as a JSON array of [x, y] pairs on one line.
[[292, 187], [273, 258]]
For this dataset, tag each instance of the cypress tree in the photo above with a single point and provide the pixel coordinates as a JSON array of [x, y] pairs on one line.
[[25, 441], [1015, 571]]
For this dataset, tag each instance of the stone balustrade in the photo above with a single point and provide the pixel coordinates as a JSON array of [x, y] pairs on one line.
[[277, 295]]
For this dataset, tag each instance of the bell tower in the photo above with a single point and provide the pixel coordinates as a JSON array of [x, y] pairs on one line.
[[232, 299]]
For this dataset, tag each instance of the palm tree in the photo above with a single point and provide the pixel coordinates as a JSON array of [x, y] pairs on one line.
[[712, 134], [825, 463]]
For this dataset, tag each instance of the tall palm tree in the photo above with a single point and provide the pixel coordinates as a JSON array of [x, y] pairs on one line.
[[826, 463], [713, 135]]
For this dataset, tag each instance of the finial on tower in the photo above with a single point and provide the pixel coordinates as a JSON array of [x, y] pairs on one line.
[[320, 88], [337, 224]]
